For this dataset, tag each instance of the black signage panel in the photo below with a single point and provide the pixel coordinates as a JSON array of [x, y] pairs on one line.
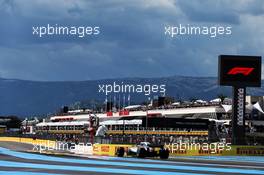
[[162, 122], [239, 71]]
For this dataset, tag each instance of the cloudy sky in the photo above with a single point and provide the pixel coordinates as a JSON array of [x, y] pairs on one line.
[[131, 42]]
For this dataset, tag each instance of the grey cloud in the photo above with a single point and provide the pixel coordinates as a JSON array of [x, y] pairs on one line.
[[218, 11], [131, 43]]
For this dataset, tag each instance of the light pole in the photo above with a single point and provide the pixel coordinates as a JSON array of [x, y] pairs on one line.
[[147, 120]]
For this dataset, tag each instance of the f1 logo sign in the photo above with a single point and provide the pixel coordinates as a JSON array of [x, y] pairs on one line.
[[240, 70]]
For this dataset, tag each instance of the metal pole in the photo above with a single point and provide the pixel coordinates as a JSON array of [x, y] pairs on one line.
[[146, 124], [123, 126]]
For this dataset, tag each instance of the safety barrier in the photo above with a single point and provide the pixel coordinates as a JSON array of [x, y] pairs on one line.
[[245, 151], [33, 141], [216, 151], [108, 149]]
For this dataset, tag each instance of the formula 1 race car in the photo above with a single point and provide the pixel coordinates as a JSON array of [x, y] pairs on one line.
[[145, 149]]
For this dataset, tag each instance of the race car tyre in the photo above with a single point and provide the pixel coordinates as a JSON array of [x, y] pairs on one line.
[[141, 153], [120, 152], [164, 154]]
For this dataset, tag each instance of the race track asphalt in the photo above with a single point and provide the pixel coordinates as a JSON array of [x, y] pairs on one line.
[[14, 160]]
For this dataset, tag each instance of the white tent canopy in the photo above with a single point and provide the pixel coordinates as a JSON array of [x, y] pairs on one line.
[[217, 100], [227, 108], [249, 107], [176, 104], [257, 106], [201, 101], [133, 107]]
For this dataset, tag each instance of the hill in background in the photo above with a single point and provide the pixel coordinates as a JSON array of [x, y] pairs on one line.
[[28, 98]]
